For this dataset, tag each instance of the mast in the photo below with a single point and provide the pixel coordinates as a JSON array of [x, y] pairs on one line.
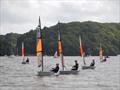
[[23, 51], [60, 51], [39, 48], [82, 51]]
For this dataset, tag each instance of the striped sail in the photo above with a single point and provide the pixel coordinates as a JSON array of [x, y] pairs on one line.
[[39, 47]]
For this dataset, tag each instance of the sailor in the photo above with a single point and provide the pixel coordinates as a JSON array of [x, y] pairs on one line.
[[105, 59], [27, 61], [92, 63], [75, 67], [56, 69]]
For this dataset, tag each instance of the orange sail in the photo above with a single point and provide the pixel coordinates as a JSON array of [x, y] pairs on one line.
[[60, 51], [81, 48], [39, 47], [59, 48], [59, 44], [101, 52]]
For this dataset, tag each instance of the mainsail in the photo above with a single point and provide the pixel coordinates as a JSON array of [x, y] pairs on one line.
[[60, 51], [81, 50], [23, 51], [39, 47], [101, 52]]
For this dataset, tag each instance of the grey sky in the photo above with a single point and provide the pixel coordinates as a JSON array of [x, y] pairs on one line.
[[20, 16]]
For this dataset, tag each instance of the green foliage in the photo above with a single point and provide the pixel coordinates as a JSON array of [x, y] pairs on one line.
[[92, 33], [8, 44]]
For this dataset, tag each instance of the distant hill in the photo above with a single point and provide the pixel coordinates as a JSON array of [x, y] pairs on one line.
[[8, 44], [93, 33]]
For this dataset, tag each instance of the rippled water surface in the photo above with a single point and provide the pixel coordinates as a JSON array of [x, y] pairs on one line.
[[15, 76]]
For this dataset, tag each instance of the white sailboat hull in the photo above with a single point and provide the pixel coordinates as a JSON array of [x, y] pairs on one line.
[[69, 72], [88, 67], [43, 73]]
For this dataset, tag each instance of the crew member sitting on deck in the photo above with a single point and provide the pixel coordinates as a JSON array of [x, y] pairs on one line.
[[27, 61], [75, 67], [56, 69], [105, 59], [92, 63]]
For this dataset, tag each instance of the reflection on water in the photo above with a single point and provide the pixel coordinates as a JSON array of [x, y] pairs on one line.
[[15, 76]]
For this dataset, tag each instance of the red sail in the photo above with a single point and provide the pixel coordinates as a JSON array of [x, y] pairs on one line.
[[81, 48], [59, 44], [22, 50]]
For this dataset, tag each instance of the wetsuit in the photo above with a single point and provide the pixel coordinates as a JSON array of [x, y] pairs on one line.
[[92, 64], [56, 69], [75, 67]]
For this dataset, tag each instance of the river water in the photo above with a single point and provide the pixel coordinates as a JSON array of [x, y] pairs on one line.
[[16, 76]]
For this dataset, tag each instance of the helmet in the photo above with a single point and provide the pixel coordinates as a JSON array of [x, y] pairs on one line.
[[75, 60]]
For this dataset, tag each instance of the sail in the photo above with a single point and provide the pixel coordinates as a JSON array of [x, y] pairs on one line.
[[60, 51], [101, 52], [23, 51], [55, 55], [59, 44], [39, 47], [81, 50]]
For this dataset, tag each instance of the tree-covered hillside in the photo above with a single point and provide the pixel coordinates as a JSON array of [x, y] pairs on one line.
[[92, 33], [8, 44]]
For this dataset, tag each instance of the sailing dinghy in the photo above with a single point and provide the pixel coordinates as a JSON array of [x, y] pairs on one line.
[[23, 62], [82, 54], [60, 53], [39, 51]]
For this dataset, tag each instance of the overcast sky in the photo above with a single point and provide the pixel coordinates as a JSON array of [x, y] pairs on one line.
[[19, 16]]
